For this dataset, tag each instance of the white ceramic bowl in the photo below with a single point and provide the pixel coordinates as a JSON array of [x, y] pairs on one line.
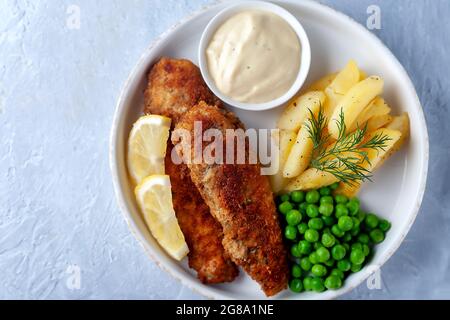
[[398, 187], [222, 17]]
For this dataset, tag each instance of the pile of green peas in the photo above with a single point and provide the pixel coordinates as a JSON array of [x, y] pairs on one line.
[[329, 237]]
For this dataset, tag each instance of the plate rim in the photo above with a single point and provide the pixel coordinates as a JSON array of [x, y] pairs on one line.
[[121, 201]]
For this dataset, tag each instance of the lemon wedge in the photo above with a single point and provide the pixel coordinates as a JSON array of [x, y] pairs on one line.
[[147, 147], [154, 196]]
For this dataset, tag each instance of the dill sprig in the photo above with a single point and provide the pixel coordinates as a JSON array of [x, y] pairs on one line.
[[315, 127], [346, 157]]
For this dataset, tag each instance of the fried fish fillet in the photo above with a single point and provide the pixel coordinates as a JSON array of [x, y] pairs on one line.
[[174, 87], [241, 200], [202, 232]]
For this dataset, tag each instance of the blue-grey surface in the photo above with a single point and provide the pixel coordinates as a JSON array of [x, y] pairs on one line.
[[58, 89]]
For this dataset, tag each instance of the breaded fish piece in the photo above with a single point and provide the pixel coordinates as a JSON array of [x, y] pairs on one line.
[[203, 233], [241, 200], [176, 85]]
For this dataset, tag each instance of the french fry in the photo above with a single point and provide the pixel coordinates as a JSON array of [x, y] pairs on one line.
[[378, 107], [374, 156], [362, 75], [311, 179], [298, 110], [301, 151], [354, 102], [322, 84], [378, 122], [400, 123], [285, 142], [342, 83]]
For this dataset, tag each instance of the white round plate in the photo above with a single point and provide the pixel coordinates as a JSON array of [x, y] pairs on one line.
[[398, 186]]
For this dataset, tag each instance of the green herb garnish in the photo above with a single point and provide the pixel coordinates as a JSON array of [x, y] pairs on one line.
[[344, 158]]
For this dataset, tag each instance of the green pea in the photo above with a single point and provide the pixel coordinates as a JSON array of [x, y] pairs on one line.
[[338, 252], [311, 235], [295, 252], [329, 263], [353, 207], [328, 221], [377, 236], [317, 285], [366, 250], [313, 258], [356, 200], [318, 245], [363, 238], [357, 245], [312, 211], [334, 186], [361, 216], [296, 271], [338, 273], [357, 256], [344, 265], [285, 198], [304, 247], [293, 217], [337, 231], [323, 254], [307, 283], [326, 209], [328, 240], [327, 199], [319, 270], [285, 207], [302, 207], [341, 199], [290, 232], [302, 227], [384, 225], [347, 237], [305, 264], [356, 223], [345, 223], [298, 196], [346, 246], [296, 285], [325, 191], [371, 221], [356, 268], [333, 282], [312, 196], [316, 224], [355, 231], [341, 210]]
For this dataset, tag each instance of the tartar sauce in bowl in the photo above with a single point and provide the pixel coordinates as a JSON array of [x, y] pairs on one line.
[[254, 57]]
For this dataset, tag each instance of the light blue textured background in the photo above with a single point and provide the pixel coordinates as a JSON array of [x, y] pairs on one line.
[[58, 89]]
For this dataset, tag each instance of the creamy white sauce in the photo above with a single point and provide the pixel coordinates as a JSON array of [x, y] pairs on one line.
[[254, 57]]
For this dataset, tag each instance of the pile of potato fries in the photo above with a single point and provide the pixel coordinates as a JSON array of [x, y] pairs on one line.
[[355, 96]]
